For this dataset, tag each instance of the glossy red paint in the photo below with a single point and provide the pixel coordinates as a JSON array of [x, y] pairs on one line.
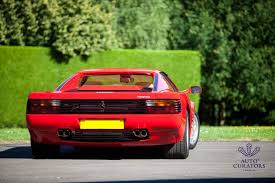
[[162, 128], [113, 88]]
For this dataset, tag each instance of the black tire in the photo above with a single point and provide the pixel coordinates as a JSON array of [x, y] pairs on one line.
[[180, 150], [41, 151], [194, 143]]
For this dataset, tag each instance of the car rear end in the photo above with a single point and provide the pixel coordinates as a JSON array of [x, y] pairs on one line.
[[105, 122], [89, 112]]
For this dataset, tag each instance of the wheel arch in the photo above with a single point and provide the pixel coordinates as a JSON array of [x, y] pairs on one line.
[[190, 108]]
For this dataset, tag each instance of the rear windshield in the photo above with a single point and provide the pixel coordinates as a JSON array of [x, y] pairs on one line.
[[118, 80]]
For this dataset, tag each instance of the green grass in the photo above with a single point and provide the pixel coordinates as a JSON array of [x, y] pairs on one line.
[[27, 69], [21, 135], [250, 133], [14, 135]]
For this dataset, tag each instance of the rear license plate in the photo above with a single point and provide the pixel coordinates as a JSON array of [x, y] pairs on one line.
[[102, 124]]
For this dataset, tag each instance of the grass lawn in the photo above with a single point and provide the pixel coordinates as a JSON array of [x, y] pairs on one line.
[[207, 133], [14, 135], [230, 133]]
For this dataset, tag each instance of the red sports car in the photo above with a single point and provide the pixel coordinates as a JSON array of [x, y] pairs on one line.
[[114, 108]]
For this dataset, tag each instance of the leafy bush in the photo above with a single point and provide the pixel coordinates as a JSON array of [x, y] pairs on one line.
[[27, 69], [71, 27], [26, 22], [236, 39], [142, 24], [82, 28]]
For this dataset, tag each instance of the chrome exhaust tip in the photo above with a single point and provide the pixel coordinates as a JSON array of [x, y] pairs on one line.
[[60, 133], [64, 133], [141, 133], [137, 133]]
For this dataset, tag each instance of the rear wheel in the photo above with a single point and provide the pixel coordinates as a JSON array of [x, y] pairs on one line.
[[180, 150], [195, 131], [40, 151]]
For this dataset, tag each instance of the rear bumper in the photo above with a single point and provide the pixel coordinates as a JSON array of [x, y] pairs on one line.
[[163, 128]]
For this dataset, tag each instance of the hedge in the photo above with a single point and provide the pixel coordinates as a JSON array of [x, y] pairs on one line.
[[27, 69]]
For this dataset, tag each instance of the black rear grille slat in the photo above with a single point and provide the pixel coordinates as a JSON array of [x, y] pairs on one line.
[[107, 106], [103, 136]]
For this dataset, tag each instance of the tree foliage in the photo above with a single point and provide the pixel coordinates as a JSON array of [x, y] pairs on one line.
[[235, 38], [83, 26], [72, 27], [11, 23], [142, 24]]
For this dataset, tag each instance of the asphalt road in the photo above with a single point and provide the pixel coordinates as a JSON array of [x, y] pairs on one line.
[[209, 162]]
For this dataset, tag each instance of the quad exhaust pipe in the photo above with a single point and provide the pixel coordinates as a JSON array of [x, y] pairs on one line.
[[67, 133], [142, 133], [64, 133]]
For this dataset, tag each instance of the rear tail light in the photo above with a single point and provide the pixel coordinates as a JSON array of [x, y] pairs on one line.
[[43, 106], [46, 106], [163, 106]]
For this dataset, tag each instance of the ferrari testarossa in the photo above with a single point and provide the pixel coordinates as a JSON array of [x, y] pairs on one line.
[[114, 108]]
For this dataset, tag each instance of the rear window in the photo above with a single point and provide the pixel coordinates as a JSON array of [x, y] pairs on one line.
[[118, 80]]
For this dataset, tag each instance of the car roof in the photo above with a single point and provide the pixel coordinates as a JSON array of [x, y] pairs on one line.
[[119, 70]]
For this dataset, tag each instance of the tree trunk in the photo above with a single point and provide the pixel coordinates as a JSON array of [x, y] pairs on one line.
[[222, 114]]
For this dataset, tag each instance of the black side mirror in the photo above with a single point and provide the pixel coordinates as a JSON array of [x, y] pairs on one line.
[[196, 89]]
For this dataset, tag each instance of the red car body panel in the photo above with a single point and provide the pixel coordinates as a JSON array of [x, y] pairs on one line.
[[44, 128], [163, 129]]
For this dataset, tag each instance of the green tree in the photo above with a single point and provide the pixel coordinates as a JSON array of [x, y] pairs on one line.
[[29, 21], [253, 55], [82, 28], [142, 24], [3, 28], [45, 13], [12, 24], [236, 39]]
